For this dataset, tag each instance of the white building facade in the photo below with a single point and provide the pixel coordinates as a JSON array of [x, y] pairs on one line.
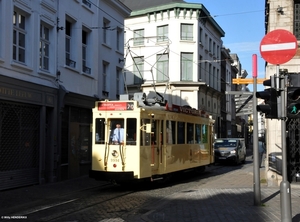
[[56, 59], [175, 50]]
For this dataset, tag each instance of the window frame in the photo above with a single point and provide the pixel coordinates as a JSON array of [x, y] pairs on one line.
[[105, 28], [44, 43], [162, 67], [68, 43], [138, 37], [105, 70], [19, 28], [186, 32], [296, 22], [186, 72], [85, 51], [162, 33], [138, 69]]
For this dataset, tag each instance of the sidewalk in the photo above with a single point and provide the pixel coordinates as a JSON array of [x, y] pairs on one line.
[[229, 198]]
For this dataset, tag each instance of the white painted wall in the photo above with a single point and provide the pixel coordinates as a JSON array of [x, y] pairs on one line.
[[47, 12], [175, 46]]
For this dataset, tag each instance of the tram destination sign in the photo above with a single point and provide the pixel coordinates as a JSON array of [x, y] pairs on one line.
[[115, 106], [187, 110]]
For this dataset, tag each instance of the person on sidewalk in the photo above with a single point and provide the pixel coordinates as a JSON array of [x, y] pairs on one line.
[[261, 150]]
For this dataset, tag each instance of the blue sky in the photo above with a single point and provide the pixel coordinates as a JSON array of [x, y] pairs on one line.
[[243, 23]]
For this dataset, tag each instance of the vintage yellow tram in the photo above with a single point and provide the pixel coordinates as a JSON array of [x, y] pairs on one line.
[[156, 141]]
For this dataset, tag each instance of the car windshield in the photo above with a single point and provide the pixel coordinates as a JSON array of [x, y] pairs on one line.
[[225, 143]]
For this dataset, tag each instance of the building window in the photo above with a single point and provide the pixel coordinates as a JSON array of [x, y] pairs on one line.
[[215, 80], [210, 76], [187, 32], [138, 70], [106, 26], [119, 44], [214, 48], [105, 76], [44, 47], [118, 78], [297, 19], [200, 69], [19, 37], [138, 37], [85, 68], [186, 66], [162, 33], [162, 68], [68, 32], [200, 36]]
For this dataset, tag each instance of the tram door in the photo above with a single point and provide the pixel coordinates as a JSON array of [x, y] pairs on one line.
[[156, 144]]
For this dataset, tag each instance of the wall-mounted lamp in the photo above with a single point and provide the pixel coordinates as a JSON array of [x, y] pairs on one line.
[[57, 76], [121, 60], [59, 28], [279, 10]]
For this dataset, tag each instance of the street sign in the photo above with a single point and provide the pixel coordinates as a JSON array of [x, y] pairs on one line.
[[278, 46], [246, 81]]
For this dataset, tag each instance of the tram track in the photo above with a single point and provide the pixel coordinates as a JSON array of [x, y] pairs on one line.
[[74, 203], [111, 201]]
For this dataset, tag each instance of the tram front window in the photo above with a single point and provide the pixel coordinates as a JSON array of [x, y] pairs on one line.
[[117, 135], [123, 131], [131, 131]]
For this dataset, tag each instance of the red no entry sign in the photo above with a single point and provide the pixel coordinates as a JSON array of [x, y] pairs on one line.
[[278, 46]]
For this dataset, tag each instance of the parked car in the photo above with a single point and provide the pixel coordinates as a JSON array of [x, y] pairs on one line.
[[230, 150]]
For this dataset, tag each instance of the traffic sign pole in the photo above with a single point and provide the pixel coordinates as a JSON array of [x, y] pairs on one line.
[[285, 187], [256, 170]]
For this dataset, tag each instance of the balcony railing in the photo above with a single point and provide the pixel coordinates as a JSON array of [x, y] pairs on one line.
[[86, 70], [105, 93], [70, 63], [88, 4]]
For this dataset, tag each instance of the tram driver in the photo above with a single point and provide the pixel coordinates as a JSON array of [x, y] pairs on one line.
[[118, 135]]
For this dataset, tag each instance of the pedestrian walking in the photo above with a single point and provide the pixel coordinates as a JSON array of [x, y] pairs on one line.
[[261, 150]]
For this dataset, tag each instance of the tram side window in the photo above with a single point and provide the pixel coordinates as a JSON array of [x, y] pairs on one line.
[[190, 133], [161, 136], [145, 137], [198, 133], [153, 132], [131, 131], [180, 132], [204, 133], [171, 132], [100, 130]]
